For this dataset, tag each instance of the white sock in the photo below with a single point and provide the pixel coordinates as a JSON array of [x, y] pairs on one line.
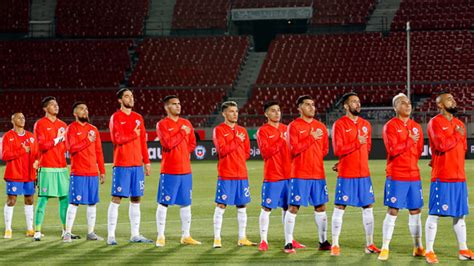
[[91, 217], [112, 218], [134, 215], [185, 213], [368, 220], [70, 217], [264, 221], [218, 217], [336, 225], [283, 213], [459, 226], [414, 223], [8, 216], [290, 220], [430, 231], [387, 229], [161, 219], [242, 220], [29, 210], [321, 220]]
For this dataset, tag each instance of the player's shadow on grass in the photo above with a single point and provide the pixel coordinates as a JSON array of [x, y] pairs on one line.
[[219, 255], [54, 250], [152, 254]]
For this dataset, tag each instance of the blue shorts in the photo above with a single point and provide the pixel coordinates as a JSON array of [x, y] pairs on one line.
[[304, 191], [233, 192], [448, 199], [20, 188], [175, 189], [275, 194], [84, 190], [128, 181], [403, 194], [357, 192]]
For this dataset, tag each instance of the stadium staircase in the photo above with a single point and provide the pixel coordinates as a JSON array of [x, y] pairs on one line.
[[383, 15], [247, 76], [160, 17], [42, 10]]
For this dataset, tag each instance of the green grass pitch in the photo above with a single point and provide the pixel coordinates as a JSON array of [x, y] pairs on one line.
[[51, 250]]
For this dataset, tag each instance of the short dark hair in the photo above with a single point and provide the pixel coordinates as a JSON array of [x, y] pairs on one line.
[[122, 91], [346, 96], [46, 100], [75, 104], [443, 92], [169, 97], [227, 104], [269, 104], [301, 99]]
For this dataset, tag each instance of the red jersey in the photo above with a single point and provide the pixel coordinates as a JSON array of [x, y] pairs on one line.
[[176, 145], [19, 166], [275, 152], [306, 151], [448, 149], [51, 155], [402, 151], [87, 158], [353, 156], [232, 152], [129, 149]]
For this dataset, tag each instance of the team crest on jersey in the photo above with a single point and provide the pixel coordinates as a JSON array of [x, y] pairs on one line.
[[345, 198], [365, 129], [62, 129], [393, 199], [269, 200], [137, 122], [32, 140], [119, 189], [415, 131], [167, 198], [200, 152], [45, 189], [92, 133], [297, 197], [445, 207], [13, 189], [224, 197], [78, 197]]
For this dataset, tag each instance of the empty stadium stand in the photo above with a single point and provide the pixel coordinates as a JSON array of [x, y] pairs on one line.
[[191, 61], [57, 64], [336, 12], [202, 14], [101, 18], [368, 58], [14, 16], [435, 14]]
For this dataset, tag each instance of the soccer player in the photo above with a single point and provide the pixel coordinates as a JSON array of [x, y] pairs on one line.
[[271, 139], [128, 135], [233, 148], [177, 140], [403, 139], [19, 151], [351, 141], [53, 175], [448, 191], [309, 144], [87, 160]]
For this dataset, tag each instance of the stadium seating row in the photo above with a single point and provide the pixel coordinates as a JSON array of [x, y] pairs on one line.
[[14, 15], [101, 18], [438, 14], [368, 58]]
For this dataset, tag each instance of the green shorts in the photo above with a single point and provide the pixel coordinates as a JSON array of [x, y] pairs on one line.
[[53, 182]]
